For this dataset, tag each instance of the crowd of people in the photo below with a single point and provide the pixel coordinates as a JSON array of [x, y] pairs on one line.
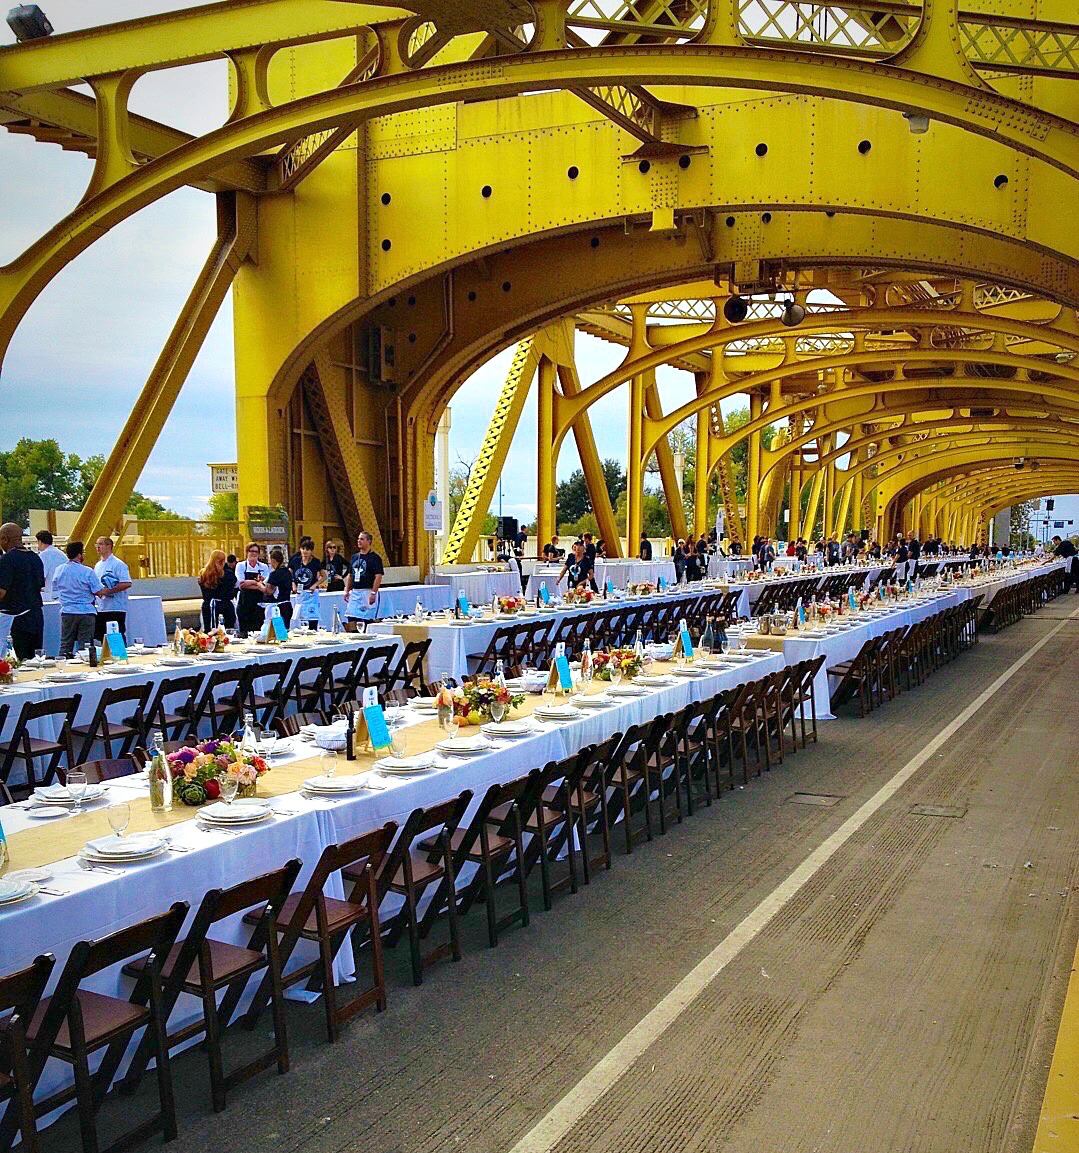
[[235, 593]]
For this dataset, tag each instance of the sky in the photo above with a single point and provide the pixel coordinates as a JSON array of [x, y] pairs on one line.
[[85, 348]]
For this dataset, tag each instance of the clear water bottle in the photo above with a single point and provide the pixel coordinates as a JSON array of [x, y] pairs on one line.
[[708, 638], [249, 742], [418, 612], [638, 644], [586, 662], [500, 675], [178, 638], [336, 621], [160, 777]]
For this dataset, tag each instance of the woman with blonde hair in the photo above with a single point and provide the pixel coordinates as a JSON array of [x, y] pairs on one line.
[[218, 585]]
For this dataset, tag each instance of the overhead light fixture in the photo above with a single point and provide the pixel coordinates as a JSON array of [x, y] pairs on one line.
[[793, 314], [736, 309], [28, 22], [917, 122]]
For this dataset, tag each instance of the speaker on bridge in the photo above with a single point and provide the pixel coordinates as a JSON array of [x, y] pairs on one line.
[[507, 528]]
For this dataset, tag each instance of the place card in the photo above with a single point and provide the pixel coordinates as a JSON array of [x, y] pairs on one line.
[[545, 594], [462, 604], [113, 644], [378, 731], [565, 677]]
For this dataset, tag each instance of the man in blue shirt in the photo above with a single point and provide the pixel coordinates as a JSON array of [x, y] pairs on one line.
[[115, 580], [75, 585]]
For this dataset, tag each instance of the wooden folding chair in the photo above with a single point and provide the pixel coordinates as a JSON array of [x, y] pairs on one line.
[[117, 735], [20, 995], [22, 747]]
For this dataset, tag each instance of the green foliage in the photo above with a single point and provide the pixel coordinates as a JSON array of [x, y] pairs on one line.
[[572, 500], [225, 506], [39, 474]]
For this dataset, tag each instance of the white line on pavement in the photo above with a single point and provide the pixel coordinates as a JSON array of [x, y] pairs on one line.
[[543, 1136]]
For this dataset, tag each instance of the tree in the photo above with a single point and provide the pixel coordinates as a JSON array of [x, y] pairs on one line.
[[225, 506], [39, 474], [460, 475], [572, 499]]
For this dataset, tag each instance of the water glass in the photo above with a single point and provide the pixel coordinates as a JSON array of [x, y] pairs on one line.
[[616, 675], [328, 760], [39, 655], [76, 786], [229, 787], [398, 744], [119, 817], [498, 711], [451, 726]]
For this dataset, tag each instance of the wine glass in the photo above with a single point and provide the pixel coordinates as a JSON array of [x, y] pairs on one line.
[[230, 785], [119, 817], [498, 711], [616, 673], [451, 725], [328, 760], [76, 786]]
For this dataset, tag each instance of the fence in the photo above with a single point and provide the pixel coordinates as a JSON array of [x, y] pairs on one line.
[[165, 548]]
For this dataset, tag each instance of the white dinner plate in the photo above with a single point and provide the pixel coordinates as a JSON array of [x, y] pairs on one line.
[[689, 671], [596, 701], [328, 786], [176, 662], [35, 876], [45, 812], [130, 848], [240, 812], [12, 892], [558, 713], [465, 746], [121, 670], [59, 795], [219, 656], [424, 704], [65, 678], [406, 765], [656, 680], [629, 690], [508, 729], [90, 857]]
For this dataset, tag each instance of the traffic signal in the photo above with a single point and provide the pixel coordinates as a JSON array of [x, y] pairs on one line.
[[1050, 504]]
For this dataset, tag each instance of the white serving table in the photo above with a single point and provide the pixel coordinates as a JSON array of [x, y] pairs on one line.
[[145, 619], [479, 587]]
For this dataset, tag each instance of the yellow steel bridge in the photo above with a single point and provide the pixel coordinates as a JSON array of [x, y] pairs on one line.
[[404, 191]]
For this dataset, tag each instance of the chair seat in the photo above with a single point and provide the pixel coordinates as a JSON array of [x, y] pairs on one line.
[[116, 729], [554, 795], [550, 817], [842, 669], [226, 962], [339, 914], [424, 871], [103, 1018], [497, 842], [37, 746]]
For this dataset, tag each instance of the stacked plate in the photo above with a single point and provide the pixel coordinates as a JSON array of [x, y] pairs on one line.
[[689, 671], [60, 795], [424, 704], [333, 786], [557, 712], [628, 690], [715, 663], [597, 701], [225, 656], [123, 669], [116, 850], [14, 890], [509, 730], [459, 621], [247, 811], [406, 765], [175, 662], [66, 678], [655, 680], [465, 746]]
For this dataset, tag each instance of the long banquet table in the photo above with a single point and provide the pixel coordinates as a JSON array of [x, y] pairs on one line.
[[619, 572], [93, 904], [479, 587]]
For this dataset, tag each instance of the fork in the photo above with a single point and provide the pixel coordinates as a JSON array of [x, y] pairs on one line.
[[92, 867]]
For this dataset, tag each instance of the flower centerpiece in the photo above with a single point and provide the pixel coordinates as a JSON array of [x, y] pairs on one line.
[[195, 642], [640, 588], [472, 702], [195, 770], [625, 659], [579, 596], [8, 665], [510, 605]]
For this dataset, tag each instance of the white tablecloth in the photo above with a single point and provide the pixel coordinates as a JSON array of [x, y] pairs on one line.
[[392, 601], [145, 619], [619, 572], [479, 587], [96, 904]]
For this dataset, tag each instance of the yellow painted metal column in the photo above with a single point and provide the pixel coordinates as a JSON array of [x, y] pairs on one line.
[[701, 476], [635, 463], [829, 499], [753, 471], [858, 519], [545, 463], [794, 526]]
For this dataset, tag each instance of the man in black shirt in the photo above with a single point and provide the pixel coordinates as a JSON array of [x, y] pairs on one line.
[[644, 551], [589, 547], [364, 579], [1065, 549], [22, 577]]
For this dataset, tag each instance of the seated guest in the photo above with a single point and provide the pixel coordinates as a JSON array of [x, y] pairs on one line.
[[217, 583], [22, 577], [51, 559], [601, 549], [280, 585], [75, 585], [335, 565], [114, 576], [644, 549]]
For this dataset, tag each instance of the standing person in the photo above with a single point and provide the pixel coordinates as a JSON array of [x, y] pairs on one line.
[[766, 554], [295, 559], [76, 585], [902, 555], [365, 574], [115, 580], [251, 575], [914, 554], [308, 577], [831, 552], [280, 584], [22, 577], [735, 547], [519, 542], [644, 549], [692, 563], [336, 567], [51, 559], [1066, 550], [579, 567], [217, 583], [589, 547]]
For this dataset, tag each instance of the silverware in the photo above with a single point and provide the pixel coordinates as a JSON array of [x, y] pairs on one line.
[[93, 867], [49, 892]]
